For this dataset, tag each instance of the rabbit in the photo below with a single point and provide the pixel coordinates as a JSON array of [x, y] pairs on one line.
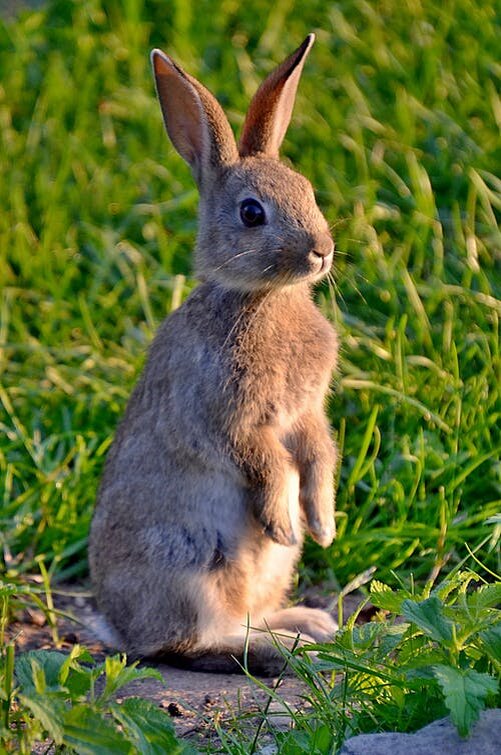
[[224, 457]]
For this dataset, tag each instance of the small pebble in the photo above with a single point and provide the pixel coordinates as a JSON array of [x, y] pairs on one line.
[[175, 710], [33, 616], [278, 716]]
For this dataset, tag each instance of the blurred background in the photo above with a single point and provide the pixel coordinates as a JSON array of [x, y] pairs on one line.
[[397, 126]]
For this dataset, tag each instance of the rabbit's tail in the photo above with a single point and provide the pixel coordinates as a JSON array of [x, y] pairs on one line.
[[102, 630]]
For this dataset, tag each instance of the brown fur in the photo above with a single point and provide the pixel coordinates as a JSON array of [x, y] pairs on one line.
[[224, 454]]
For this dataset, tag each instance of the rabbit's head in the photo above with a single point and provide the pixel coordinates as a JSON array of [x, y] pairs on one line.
[[259, 224]]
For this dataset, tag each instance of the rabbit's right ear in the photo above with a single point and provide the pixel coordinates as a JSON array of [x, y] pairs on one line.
[[271, 107], [195, 122]]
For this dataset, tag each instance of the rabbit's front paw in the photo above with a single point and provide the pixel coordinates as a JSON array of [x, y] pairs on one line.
[[281, 532], [273, 513], [318, 506]]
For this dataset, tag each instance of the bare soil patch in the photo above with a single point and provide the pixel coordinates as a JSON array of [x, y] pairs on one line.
[[196, 701]]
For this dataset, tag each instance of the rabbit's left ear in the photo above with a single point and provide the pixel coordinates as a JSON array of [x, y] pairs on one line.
[[271, 107], [194, 120]]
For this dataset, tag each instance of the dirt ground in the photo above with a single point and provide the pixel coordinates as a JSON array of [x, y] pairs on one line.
[[197, 702]]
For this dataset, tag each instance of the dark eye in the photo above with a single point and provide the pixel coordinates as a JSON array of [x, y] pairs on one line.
[[252, 213]]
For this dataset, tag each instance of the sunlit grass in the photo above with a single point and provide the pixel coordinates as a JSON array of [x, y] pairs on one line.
[[395, 125]]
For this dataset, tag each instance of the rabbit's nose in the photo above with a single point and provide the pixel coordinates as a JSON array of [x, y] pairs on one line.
[[323, 246]]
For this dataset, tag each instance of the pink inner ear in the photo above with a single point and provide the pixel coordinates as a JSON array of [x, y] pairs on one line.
[[160, 65], [271, 107], [181, 110]]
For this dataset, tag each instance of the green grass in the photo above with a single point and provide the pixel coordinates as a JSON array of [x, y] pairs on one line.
[[396, 124]]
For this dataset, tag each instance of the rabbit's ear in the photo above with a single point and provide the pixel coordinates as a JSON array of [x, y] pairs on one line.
[[194, 120], [271, 107]]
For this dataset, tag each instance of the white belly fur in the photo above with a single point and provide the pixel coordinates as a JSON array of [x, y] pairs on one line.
[[266, 569], [276, 562]]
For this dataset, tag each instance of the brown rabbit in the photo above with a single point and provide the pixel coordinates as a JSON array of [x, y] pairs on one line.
[[224, 454]]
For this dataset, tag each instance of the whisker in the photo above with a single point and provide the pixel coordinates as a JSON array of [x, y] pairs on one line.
[[362, 277], [266, 269], [338, 222], [328, 279], [358, 291], [232, 259]]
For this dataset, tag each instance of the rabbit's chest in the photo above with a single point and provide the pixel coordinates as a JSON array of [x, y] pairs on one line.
[[280, 373]]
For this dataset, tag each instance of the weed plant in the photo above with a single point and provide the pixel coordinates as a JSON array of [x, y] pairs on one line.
[[397, 126], [443, 658]]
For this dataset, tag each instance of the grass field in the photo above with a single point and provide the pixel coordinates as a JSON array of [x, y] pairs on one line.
[[397, 126]]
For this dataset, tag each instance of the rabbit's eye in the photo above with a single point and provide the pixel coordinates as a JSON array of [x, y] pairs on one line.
[[252, 213]]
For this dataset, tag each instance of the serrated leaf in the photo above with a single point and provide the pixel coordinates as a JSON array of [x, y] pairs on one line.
[[464, 691], [78, 679], [322, 739], [384, 597], [487, 596], [428, 616], [424, 657], [379, 637], [77, 653], [48, 710], [118, 674], [79, 684], [360, 637], [491, 641], [424, 673], [451, 583], [90, 733], [149, 728], [47, 661]]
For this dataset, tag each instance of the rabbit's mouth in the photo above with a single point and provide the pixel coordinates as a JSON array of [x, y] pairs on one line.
[[297, 268], [320, 262], [325, 263]]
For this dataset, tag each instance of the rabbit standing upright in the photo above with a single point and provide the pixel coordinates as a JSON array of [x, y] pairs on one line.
[[224, 454]]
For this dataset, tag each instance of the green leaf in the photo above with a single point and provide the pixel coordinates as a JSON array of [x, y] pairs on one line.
[[423, 657], [376, 636], [495, 519], [149, 728], [465, 691], [29, 665], [384, 597], [90, 733], [453, 582], [424, 673], [118, 674], [71, 662], [491, 641], [487, 596], [428, 616], [322, 739], [79, 683], [78, 679], [48, 710]]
